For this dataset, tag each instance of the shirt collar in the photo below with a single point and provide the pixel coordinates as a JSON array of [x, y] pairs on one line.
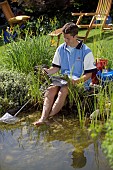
[[79, 46]]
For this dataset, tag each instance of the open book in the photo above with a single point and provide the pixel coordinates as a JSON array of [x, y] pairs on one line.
[[59, 81]]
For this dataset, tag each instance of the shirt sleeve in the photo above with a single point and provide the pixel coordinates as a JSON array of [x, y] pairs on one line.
[[56, 59], [89, 62]]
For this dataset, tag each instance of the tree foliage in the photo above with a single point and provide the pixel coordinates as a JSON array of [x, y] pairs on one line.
[[57, 6], [44, 5]]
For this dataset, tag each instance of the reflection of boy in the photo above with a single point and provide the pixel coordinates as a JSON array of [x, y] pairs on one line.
[[79, 160]]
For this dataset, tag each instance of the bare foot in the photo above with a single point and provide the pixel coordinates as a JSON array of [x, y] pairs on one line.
[[38, 123]]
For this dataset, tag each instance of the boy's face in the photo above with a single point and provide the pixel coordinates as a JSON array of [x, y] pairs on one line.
[[69, 39]]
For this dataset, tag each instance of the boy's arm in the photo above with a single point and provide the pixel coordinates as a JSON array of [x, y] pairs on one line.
[[52, 70], [82, 79]]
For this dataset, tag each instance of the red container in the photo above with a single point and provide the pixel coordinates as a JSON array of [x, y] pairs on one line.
[[94, 78], [101, 63]]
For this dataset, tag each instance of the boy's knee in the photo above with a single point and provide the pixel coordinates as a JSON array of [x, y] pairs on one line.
[[64, 89], [51, 92]]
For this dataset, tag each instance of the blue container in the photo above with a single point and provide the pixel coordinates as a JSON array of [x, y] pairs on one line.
[[105, 75], [108, 20]]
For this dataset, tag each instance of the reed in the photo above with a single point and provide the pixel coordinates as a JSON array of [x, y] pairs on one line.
[[25, 54]]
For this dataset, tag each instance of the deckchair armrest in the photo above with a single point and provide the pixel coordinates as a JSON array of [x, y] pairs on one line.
[[90, 14], [83, 14], [77, 14], [95, 14], [19, 18]]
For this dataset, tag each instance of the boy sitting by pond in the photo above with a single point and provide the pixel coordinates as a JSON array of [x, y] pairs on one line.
[[74, 59]]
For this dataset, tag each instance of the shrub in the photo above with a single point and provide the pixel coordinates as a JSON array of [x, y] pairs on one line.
[[13, 89]]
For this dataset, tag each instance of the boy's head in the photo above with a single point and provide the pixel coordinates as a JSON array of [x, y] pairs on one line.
[[70, 28]]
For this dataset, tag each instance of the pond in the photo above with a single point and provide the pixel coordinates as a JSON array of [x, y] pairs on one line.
[[61, 144]]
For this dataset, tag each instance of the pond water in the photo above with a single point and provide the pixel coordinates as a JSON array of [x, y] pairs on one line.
[[60, 145]]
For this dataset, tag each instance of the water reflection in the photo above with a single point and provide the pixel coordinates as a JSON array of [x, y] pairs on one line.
[[60, 145], [79, 160]]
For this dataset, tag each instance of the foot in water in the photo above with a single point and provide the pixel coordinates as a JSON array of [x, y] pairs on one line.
[[39, 122], [42, 122]]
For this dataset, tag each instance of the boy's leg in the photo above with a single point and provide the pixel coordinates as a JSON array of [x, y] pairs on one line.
[[59, 103], [50, 94]]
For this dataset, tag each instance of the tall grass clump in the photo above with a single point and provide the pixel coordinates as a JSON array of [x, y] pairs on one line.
[[107, 144], [25, 54], [101, 45], [103, 122], [21, 55], [30, 48]]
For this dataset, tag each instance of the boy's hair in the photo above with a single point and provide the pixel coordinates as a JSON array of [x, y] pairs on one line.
[[70, 28]]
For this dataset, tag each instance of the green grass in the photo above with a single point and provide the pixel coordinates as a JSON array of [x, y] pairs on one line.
[[2, 46]]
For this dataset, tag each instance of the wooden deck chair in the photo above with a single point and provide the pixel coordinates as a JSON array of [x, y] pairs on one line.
[[57, 33], [9, 15], [102, 13]]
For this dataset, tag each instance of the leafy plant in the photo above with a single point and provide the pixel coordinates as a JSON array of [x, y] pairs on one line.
[[13, 89]]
